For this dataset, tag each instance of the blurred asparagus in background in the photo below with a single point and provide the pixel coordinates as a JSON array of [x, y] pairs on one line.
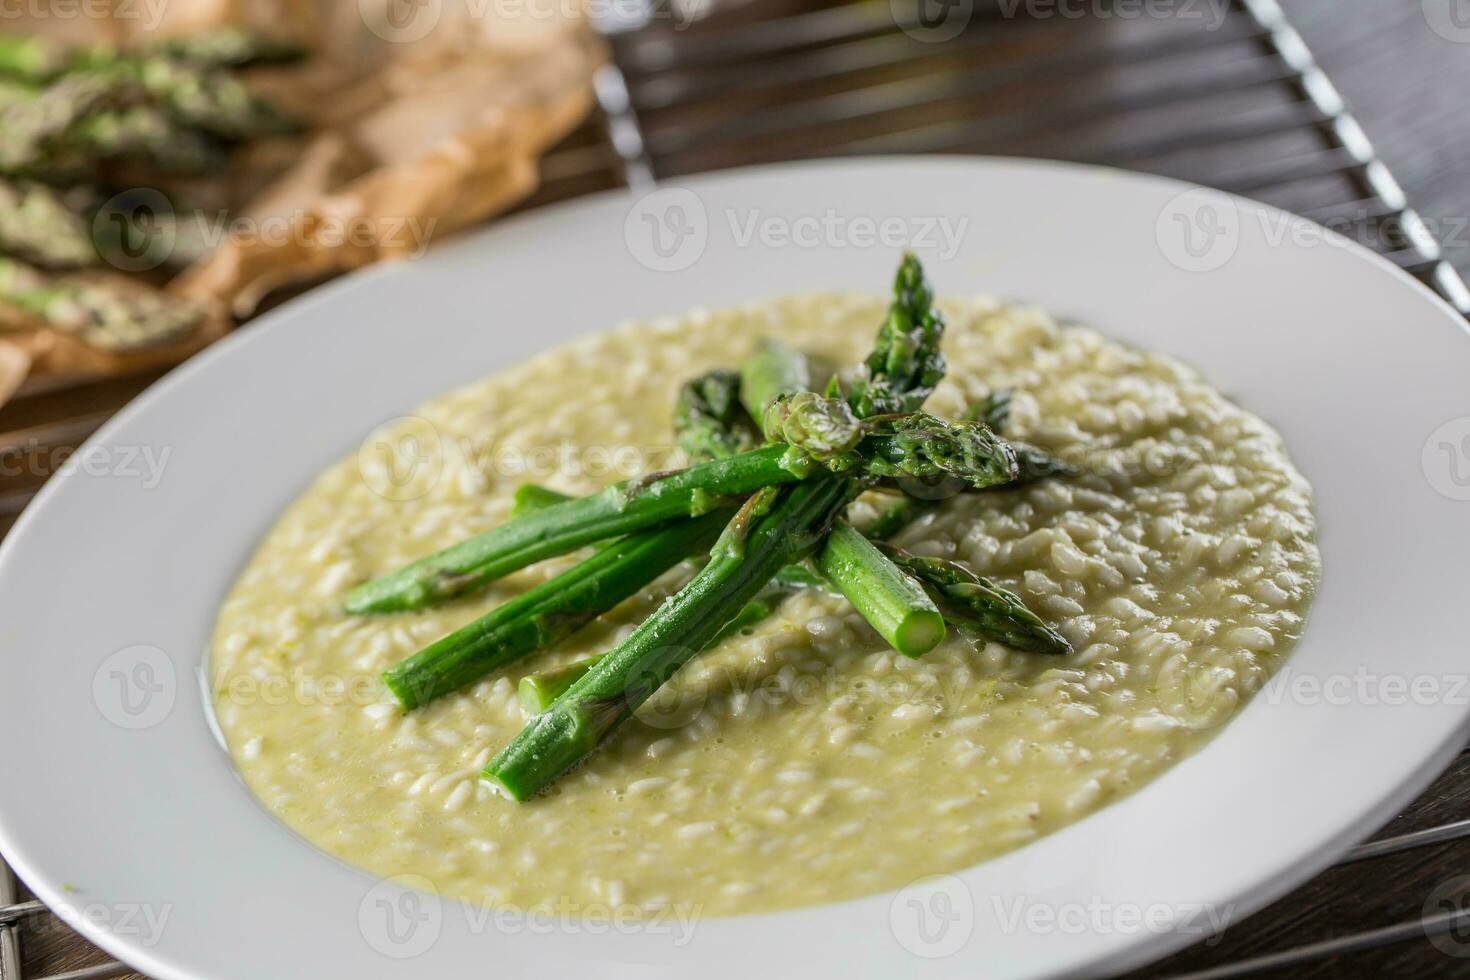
[[38, 225], [89, 137], [104, 316]]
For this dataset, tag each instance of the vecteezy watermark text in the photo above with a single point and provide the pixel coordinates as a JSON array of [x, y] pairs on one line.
[[669, 230], [402, 917], [144, 464], [148, 13]]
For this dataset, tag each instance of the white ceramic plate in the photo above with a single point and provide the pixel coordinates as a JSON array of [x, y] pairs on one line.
[[119, 808]]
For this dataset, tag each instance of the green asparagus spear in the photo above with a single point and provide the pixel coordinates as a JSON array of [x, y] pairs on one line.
[[549, 612], [899, 515], [227, 46], [619, 509], [32, 119], [37, 226], [537, 691], [994, 410], [893, 602], [709, 421], [608, 694], [29, 56], [977, 606], [773, 371], [823, 428], [212, 101], [530, 497], [1032, 464], [102, 316], [919, 446], [143, 134], [906, 363], [902, 370], [927, 447]]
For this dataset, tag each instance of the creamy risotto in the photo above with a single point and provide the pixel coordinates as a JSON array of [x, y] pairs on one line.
[[1180, 567]]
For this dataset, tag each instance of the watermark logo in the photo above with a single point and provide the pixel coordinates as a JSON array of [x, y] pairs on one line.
[[932, 21], [1198, 230], [1200, 695], [400, 21], [1446, 459], [671, 706], [1446, 916], [1450, 19], [138, 227], [135, 687], [933, 917], [402, 459], [401, 917], [667, 230]]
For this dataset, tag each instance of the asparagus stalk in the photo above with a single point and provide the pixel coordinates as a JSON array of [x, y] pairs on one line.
[[899, 515], [36, 225], [608, 694], [29, 56], [978, 606], [775, 370], [709, 421], [920, 446], [893, 602], [142, 133], [227, 46], [619, 509], [35, 59], [104, 317], [549, 612], [901, 372], [706, 420], [538, 691], [530, 497], [212, 101]]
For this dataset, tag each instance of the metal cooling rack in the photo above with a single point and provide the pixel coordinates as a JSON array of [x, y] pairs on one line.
[[1235, 101]]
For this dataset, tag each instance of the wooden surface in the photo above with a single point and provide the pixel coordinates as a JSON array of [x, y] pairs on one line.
[[1407, 85]]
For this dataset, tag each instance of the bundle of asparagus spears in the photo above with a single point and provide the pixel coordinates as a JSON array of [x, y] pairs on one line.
[[775, 465], [78, 124]]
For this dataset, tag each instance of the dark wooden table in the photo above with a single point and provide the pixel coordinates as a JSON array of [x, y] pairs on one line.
[[1407, 85]]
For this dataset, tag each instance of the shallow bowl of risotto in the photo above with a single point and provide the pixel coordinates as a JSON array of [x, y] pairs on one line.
[[1252, 560]]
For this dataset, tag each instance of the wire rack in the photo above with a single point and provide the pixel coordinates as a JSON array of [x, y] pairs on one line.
[[1231, 98]]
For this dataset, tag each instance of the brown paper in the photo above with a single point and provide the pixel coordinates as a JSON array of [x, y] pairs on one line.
[[15, 364]]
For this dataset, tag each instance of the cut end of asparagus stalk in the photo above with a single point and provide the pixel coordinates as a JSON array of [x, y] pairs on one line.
[[918, 632], [385, 595], [402, 688], [549, 745], [537, 691], [530, 497], [893, 602]]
